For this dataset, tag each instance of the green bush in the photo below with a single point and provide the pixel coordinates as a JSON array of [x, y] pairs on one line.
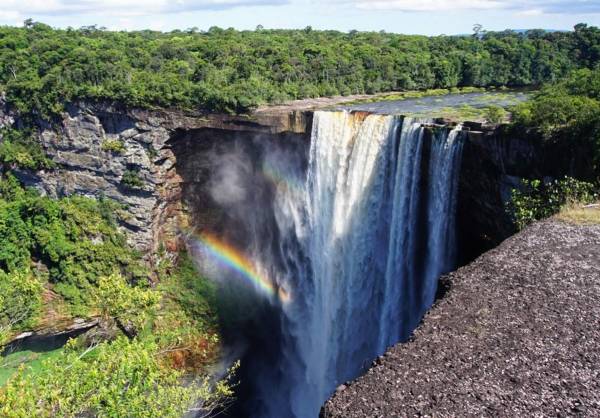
[[20, 302], [131, 179], [119, 379], [19, 149], [74, 238], [494, 114], [538, 200], [118, 300], [113, 145]]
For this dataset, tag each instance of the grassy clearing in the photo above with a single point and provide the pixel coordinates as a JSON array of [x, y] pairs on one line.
[[580, 214], [464, 112], [415, 94], [32, 361]]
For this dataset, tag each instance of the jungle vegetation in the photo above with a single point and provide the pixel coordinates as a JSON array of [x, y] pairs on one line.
[[62, 259], [224, 70]]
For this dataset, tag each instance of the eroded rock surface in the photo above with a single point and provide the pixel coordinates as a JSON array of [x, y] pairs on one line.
[[94, 145], [517, 334]]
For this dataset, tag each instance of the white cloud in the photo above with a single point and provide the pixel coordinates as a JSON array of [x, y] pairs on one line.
[[15, 8], [427, 5], [530, 12], [523, 7]]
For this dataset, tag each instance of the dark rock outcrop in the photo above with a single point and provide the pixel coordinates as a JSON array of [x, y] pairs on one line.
[[517, 334], [495, 161]]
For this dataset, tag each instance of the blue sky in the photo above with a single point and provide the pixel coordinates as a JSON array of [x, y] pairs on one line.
[[430, 17]]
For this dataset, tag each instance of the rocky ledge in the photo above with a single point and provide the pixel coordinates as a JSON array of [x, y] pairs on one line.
[[517, 333]]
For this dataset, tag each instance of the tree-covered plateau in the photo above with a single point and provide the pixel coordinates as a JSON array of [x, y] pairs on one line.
[[224, 70]]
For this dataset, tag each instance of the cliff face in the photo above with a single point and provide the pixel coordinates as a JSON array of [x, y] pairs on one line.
[[167, 151], [495, 161], [493, 164], [82, 143]]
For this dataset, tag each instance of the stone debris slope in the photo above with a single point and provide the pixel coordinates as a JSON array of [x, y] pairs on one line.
[[517, 334]]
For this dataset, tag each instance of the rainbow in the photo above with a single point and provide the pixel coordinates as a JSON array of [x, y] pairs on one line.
[[278, 178], [236, 260]]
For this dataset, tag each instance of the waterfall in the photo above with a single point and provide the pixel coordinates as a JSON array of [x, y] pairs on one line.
[[376, 232], [364, 230]]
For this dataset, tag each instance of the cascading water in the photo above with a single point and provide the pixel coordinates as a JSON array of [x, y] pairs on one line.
[[364, 231]]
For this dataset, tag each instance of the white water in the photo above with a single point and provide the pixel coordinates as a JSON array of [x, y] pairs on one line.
[[365, 238]]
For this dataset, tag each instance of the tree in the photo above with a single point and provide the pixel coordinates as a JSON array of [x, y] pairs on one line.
[[477, 31], [494, 114]]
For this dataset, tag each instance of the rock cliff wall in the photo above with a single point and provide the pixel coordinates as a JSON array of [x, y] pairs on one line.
[[495, 161], [166, 151], [94, 145]]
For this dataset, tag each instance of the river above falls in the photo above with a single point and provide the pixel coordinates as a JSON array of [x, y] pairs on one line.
[[454, 105]]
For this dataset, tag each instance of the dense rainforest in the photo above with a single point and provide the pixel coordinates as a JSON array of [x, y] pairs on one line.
[[66, 258], [224, 70]]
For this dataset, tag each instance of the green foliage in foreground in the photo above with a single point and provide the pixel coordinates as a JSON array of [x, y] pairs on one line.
[[162, 371], [71, 248], [42, 68], [71, 242], [19, 149], [116, 379], [539, 200], [130, 305], [20, 301]]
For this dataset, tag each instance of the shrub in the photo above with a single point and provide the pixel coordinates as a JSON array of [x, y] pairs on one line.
[[19, 149], [125, 378], [128, 304], [131, 179], [20, 301], [113, 145], [539, 200], [75, 239], [494, 114]]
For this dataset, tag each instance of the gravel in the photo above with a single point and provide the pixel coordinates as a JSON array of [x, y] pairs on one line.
[[516, 334]]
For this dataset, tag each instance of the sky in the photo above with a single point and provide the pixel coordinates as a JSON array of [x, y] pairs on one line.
[[427, 17]]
